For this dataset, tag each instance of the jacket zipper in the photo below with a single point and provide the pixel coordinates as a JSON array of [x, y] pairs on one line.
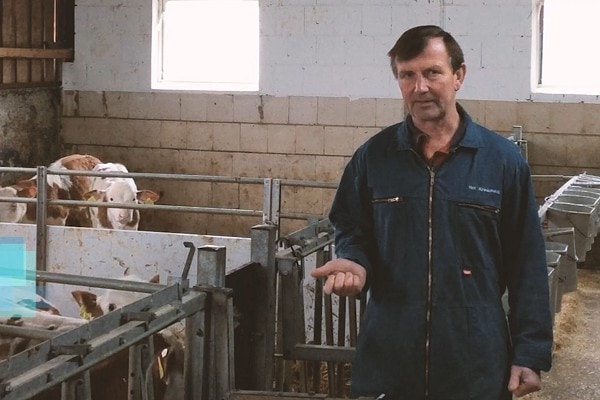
[[429, 281], [388, 200]]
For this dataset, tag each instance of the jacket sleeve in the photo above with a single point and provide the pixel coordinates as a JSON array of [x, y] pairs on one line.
[[530, 320], [351, 217]]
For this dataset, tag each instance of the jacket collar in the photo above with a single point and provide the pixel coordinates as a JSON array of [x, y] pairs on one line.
[[471, 138]]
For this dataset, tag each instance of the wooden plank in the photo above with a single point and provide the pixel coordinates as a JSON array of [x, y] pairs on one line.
[[37, 39], [1, 36], [21, 85], [23, 35], [8, 39], [25, 53], [49, 39]]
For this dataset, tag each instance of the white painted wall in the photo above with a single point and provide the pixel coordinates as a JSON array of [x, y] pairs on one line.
[[334, 48], [107, 253]]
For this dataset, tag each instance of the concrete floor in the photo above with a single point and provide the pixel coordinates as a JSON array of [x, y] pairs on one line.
[[575, 374]]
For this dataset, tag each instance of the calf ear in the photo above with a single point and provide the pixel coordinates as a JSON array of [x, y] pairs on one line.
[[93, 195], [29, 191], [88, 308], [26, 183], [147, 196], [84, 299]]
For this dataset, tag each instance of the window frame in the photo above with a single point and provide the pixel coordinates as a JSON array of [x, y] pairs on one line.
[[158, 83], [539, 90]]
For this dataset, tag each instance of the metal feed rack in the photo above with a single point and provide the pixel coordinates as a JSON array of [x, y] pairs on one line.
[[67, 358]]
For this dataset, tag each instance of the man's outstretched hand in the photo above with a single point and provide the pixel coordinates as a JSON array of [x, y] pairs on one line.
[[344, 277]]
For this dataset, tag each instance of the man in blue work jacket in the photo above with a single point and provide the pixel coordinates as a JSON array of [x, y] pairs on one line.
[[436, 217]]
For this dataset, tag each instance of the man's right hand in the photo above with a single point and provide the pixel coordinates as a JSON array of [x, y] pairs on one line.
[[344, 277]]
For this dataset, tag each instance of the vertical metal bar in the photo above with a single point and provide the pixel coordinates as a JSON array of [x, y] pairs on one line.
[[211, 268], [135, 373], [147, 360], [77, 388], [353, 321], [262, 252], [276, 205], [341, 341], [280, 365], [194, 358], [230, 343], [300, 318], [267, 198], [84, 388], [329, 341], [318, 319], [41, 229], [290, 304]]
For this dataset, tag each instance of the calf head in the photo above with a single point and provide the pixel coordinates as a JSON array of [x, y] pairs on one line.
[[120, 191], [15, 212], [92, 305]]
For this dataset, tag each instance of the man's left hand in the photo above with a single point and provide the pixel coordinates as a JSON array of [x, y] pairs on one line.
[[523, 381]]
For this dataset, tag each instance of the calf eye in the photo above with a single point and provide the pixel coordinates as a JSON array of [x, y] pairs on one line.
[[112, 307]]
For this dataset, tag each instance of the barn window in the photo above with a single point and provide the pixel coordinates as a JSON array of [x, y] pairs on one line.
[[205, 45], [564, 46]]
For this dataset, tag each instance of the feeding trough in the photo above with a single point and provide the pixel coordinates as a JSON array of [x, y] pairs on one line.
[[552, 260], [565, 236], [581, 217]]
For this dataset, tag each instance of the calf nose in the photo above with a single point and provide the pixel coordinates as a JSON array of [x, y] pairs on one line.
[[125, 215]]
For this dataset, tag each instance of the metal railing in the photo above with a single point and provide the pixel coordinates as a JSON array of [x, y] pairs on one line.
[[67, 358]]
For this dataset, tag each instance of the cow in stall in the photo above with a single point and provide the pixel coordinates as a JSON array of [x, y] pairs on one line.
[[42, 320], [14, 212], [116, 190], [109, 378], [59, 187], [168, 343]]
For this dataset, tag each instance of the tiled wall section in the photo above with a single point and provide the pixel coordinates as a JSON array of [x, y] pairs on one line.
[[296, 138]]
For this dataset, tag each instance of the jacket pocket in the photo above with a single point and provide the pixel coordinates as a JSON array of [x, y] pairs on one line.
[[389, 200], [476, 231], [391, 227], [481, 207]]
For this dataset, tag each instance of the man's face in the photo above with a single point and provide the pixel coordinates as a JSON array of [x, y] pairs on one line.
[[428, 84]]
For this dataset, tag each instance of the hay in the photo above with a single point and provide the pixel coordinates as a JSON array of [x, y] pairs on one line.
[[566, 321]]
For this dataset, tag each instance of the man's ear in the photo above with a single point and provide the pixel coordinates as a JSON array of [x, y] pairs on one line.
[[460, 76]]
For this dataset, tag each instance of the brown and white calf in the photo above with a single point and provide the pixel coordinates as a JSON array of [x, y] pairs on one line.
[[116, 190], [59, 187], [168, 343], [108, 378]]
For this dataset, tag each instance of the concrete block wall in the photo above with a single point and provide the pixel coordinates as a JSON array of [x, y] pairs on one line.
[[296, 138], [325, 86]]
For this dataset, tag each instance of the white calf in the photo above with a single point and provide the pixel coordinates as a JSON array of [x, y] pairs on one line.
[[116, 190], [14, 212]]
